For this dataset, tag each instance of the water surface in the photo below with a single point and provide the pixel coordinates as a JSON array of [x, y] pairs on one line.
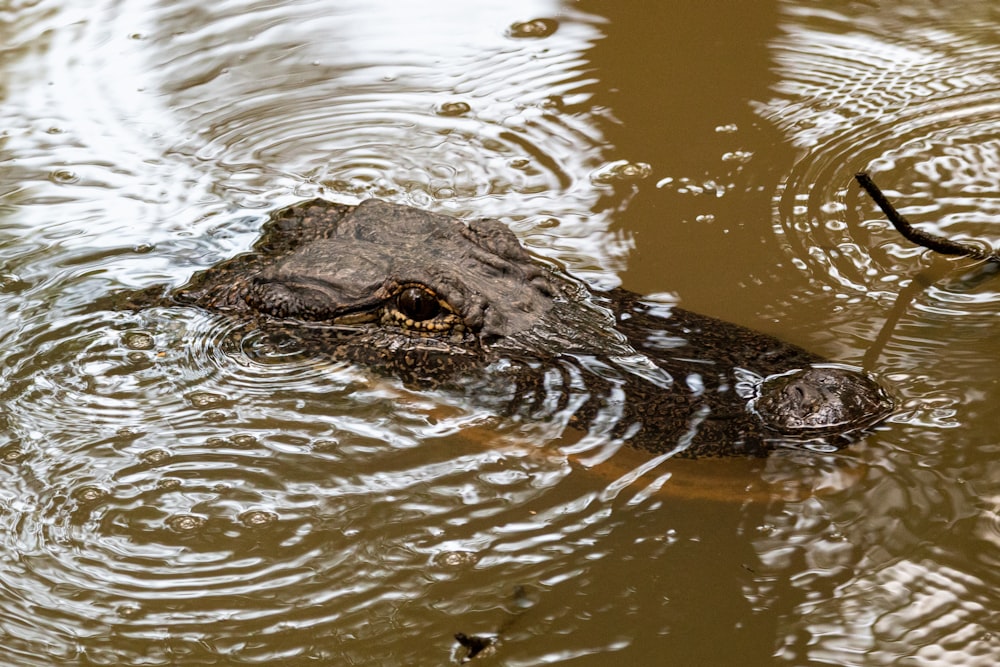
[[176, 492]]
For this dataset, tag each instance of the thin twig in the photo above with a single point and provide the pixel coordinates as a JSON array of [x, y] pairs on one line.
[[932, 241]]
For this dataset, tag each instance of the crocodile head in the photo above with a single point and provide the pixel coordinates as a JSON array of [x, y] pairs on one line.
[[418, 274], [424, 296], [436, 301]]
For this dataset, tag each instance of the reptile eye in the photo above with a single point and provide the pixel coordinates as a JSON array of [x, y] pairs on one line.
[[418, 304]]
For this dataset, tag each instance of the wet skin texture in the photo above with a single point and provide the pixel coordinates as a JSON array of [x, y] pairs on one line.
[[440, 303]]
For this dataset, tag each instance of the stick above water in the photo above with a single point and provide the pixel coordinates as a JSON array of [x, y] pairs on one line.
[[932, 241]]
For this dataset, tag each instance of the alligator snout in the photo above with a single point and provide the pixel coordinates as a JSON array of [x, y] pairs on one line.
[[820, 399]]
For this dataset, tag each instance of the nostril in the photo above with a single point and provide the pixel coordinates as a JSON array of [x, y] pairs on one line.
[[802, 396]]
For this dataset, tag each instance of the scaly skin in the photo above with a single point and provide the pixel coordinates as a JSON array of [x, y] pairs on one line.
[[441, 303]]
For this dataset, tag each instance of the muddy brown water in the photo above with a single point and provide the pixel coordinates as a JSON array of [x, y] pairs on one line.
[[175, 494]]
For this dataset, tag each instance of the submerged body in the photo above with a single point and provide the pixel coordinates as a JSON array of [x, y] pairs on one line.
[[441, 303]]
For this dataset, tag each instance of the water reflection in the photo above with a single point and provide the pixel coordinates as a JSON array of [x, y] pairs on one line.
[[176, 490], [914, 101], [179, 491]]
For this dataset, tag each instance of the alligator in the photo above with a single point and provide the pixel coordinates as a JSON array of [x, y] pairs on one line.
[[438, 302]]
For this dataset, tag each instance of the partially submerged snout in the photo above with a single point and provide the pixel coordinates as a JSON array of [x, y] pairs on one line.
[[438, 302], [820, 400]]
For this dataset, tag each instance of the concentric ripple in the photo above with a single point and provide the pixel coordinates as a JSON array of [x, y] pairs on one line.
[[184, 111], [104, 371], [909, 92], [922, 610], [914, 105], [311, 98], [177, 487], [176, 539], [154, 507]]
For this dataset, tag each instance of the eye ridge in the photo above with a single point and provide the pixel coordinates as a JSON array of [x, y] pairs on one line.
[[418, 303]]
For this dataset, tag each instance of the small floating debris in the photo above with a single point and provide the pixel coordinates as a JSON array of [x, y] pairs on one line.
[[64, 177], [621, 170], [11, 282], [455, 559], [154, 456], [475, 646], [533, 29], [138, 340], [11, 454], [257, 518], [737, 157], [453, 109], [89, 494], [205, 399], [185, 523], [687, 186]]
